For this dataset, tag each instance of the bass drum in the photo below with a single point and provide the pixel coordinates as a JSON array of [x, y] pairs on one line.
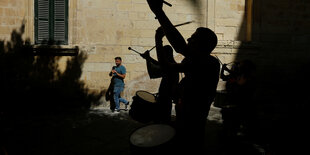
[[144, 106], [153, 139]]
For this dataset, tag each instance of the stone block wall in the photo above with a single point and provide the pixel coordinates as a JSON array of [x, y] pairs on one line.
[[226, 18], [105, 29], [12, 14]]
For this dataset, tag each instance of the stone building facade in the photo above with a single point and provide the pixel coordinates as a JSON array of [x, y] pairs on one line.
[[271, 33], [274, 34], [104, 30]]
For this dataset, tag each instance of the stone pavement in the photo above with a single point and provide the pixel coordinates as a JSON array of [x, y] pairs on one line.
[[100, 132]]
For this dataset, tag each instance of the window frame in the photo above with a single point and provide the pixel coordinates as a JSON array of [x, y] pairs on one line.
[[51, 24]]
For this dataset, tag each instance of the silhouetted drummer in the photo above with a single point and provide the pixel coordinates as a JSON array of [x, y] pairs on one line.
[[201, 78], [168, 85]]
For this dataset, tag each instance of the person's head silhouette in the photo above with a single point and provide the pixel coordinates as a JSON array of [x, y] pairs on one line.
[[203, 41]]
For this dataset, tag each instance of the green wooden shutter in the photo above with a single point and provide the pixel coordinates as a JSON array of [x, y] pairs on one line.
[[51, 21], [60, 21], [42, 22]]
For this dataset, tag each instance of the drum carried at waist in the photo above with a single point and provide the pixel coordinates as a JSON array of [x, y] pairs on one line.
[[144, 107], [152, 139]]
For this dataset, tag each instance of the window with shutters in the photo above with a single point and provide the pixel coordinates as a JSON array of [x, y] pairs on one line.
[[51, 21]]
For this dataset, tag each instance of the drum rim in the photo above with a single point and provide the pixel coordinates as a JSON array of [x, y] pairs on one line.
[[145, 125], [136, 104], [153, 94], [145, 92]]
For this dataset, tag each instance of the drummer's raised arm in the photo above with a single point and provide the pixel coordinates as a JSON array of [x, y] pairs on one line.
[[173, 35]]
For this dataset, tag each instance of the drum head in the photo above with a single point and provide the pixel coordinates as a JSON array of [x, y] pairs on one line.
[[152, 135], [149, 97]]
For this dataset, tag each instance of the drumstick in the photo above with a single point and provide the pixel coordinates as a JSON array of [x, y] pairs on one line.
[[129, 48], [167, 3], [218, 60], [152, 48], [184, 23]]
